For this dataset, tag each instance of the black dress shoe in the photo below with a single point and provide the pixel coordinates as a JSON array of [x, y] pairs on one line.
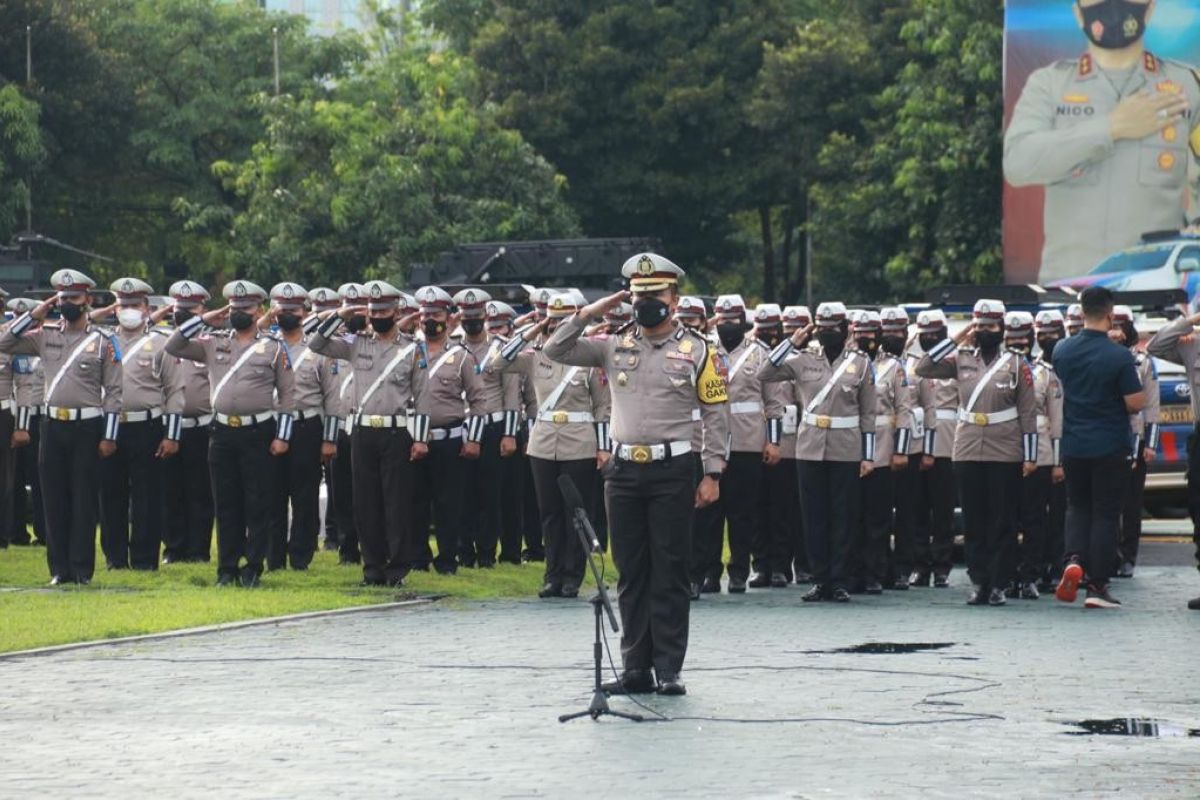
[[978, 596], [919, 578], [693, 591], [631, 681], [487, 564], [1029, 591], [711, 585], [815, 594], [760, 580], [900, 584], [226, 579], [737, 585], [857, 586], [83, 581], [348, 561], [839, 595], [670, 685], [249, 578], [366, 582], [550, 590], [779, 580], [941, 580], [58, 580], [997, 597], [873, 587], [1013, 590], [803, 577], [1125, 570], [395, 581], [1194, 604], [570, 591]]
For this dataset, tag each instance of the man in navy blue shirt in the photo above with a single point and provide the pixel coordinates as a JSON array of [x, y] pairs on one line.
[[1100, 390]]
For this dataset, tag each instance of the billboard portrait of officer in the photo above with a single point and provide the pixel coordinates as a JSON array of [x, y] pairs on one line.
[[1110, 135]]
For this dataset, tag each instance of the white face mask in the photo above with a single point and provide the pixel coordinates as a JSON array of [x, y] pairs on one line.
[[130, 318]]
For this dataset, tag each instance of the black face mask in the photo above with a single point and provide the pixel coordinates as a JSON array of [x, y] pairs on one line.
[[770, 336], [1131, 334], [433, 328], [893, 345], [1113, 24], [71, 312], [472, 327], [356, 324], [240, 320], [928, 341], [868, 345], [989, 341], [1046, 343], [288, 322], [832, 342], [730, 335], [182, 316], [1022, 346], [382, 324], [550, 328], [651, 312]]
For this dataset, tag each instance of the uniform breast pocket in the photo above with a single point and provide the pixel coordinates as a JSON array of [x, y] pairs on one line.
[[1161, 165], [543, 370], [680, 374]]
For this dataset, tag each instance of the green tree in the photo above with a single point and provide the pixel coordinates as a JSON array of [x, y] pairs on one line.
[[21, 153]]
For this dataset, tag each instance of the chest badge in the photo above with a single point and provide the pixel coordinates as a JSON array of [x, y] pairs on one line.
[[148, 347], [450, 359], [262, 348], [91, 348], [851, 369], [622, 379], [685, 346]]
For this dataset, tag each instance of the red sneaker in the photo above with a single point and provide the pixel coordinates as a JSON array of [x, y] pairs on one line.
[[1068, 587]]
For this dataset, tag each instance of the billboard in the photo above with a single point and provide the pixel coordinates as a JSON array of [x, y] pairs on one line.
[[1100, 115]]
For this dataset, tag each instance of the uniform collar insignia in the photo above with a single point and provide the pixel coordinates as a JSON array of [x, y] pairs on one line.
[[1150, 62], [1085, 64]]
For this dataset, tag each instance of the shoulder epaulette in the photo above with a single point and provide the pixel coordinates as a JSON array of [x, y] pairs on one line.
[[623, 328]]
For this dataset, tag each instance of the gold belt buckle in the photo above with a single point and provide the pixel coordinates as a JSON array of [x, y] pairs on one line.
[[639, 454], [559, 417], [824, 421], [124, 417], [235, 422], [62, 414], [376, 421], [981, 419]]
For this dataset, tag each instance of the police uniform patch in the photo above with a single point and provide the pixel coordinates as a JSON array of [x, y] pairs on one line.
[[1166, 161], [1170, 134], [1169, 87], [645, 266], [685, 347], [1075, 98], [710, 388]]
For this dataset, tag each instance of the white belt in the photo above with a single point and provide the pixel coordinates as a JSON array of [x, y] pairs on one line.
[[196, 422], [995, 418], [751, 407], [885, 421], [438, 434], [141, 416], [645, 453], [495, 416], [946, 415], [381, 421], [1043, 421], [5, 405], [695, 415], [563, 417], [835, 423], [241, 420], [307, 413], [71, 414]]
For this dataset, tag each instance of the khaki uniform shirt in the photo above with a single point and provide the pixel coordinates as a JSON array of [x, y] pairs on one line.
[[751, 403], [262, 383], [893, 409], [148, 373], [1145, 422], [1171, 345], [500, 391], [91, 379], [449, 389], [916, 405], [1049, 393]]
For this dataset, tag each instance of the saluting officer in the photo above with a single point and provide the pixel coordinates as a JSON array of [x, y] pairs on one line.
[[995, 444], [29, 391], [1049, 329], [251, 381], [83, 397], [1034, 503], [7, 451], [501, 408], [835, 443], [384, 449], [569, 437], [787, 522], [320, 300], [1145, 432], [131, 484], [353, 296], [658, 372], [775, 548], [448, 375], [186, 480]]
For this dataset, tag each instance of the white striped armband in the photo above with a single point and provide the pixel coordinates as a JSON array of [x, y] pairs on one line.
[[512, 423], [1056, 449], [475, 428], [781, 352], [21, 324], [24, 414], [283, 427], [930, 438], [173, 426], [112, 425], [903, 437], [1152, 436], [529, 425], [868, 446], [512, 347], [603, 442], [312, 322], [942, 349], [1030, 443], [420, 427], [774, 430], [329, 326], [192, 327], [330, 427]]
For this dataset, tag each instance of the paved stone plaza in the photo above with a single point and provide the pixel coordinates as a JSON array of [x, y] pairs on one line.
[[457, 700]]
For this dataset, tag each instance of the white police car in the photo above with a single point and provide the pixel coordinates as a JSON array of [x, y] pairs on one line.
[[1163, 260]]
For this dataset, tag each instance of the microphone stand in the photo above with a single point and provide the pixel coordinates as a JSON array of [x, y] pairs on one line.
[[601, 605]]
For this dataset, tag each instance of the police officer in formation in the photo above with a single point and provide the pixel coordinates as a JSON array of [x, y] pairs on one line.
[[1144, 425], [29, 390]]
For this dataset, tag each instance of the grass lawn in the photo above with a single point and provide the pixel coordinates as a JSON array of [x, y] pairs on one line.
[[124, 603]]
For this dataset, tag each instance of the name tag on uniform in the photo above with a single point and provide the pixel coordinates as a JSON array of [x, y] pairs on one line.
[[680, 357]]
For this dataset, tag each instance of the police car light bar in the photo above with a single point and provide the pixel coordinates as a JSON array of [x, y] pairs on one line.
[[1009, 294]]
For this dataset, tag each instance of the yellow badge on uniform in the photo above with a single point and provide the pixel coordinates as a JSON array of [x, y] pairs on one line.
[[1075, 98], [622, 379], [1170, 134], [1169, 87], [627, 341], [1194, 141], [851, 369], [262, 347], [685, 346], [148, 347], [450, 359], [710, 388], [1166, 161]]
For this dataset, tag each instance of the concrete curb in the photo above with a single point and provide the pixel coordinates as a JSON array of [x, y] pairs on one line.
[[225, 626]]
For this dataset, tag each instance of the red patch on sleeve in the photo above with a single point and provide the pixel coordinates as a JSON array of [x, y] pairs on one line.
[[1026, 374]]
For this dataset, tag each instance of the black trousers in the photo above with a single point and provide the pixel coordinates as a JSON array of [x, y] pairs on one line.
[[69, 460], [27, 507], [875, 526], [1131, 511], [565, 557], [7, 474], [933, 549], [329, 521], [189, 500], [650, 524], [514, 476], [829, 497], [1055, 538], [298, 484], [343, 499], [439, 495], [383, 500], [1033, 516], [1095, 493], [907, 485], [243, 476], [990, 492], [531, 522], [741, 509], [1193, 487], [708, 533], [781, 517], [131, 491], [483, 484]]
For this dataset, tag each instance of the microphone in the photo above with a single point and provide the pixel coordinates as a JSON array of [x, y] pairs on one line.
[[574, 501]]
